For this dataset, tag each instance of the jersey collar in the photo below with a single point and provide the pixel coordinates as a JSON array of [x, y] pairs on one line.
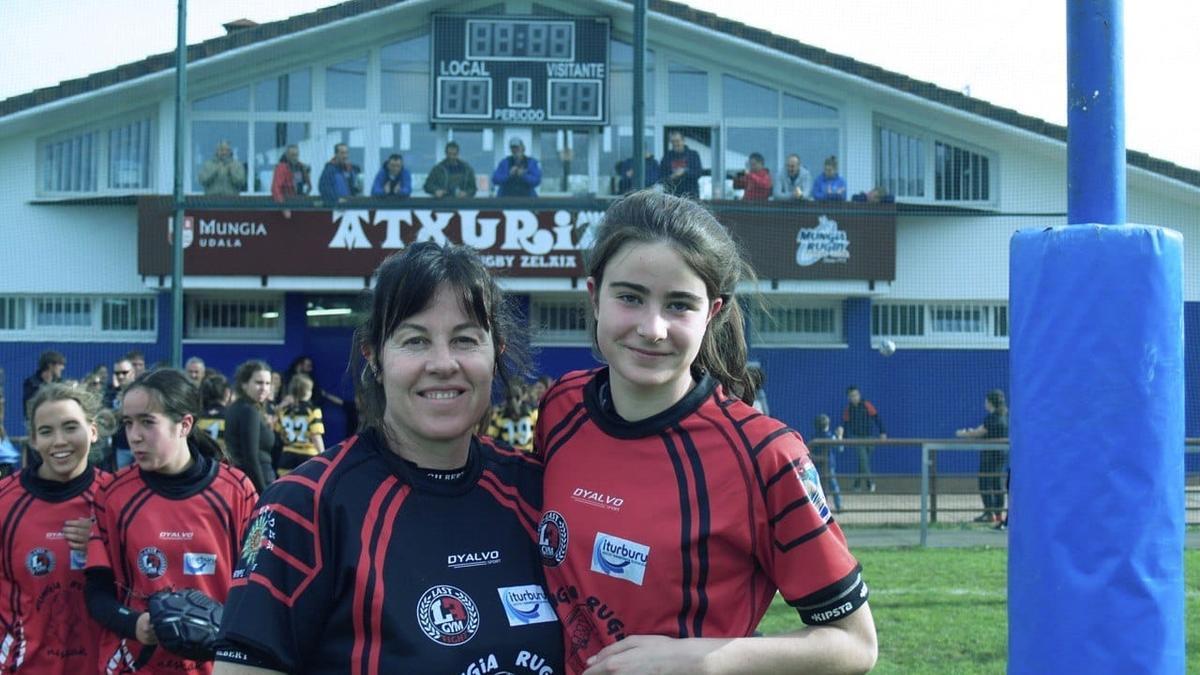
[[52, 490], [434, 481], [598, 399], [183, 485]]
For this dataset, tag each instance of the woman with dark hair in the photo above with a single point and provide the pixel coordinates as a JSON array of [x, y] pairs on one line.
[[214, 396], [410, 547], [172, 520], [992, 461], [249, 440], [43, 619], [674, 511]]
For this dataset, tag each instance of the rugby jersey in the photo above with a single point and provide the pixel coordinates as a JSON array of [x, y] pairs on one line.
[[212, 422], [516, 432], [158, 532], [44, 622], [295, 425], [360, 562], [683, 524]]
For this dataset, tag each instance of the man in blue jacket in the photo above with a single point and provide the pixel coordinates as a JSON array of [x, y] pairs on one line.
[[680, 168], [829, 186], [339, 179], [517, 175]]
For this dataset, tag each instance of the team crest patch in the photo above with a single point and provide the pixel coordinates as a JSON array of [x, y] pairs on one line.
[[259, 536], [40, 562], [152, 562], [552, 538], [812, 485], [78, 559], [447, 615]]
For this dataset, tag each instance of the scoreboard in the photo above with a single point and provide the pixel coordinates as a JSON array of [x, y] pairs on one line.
[[522, 70]]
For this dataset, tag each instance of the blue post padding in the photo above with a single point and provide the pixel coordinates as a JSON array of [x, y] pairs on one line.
[[1095, 576], [1095, 112]]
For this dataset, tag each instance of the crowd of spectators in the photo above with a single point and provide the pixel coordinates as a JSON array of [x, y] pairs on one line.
[[519, 175]]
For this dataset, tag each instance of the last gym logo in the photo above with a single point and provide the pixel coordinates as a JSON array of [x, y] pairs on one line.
[[552, 538], [40, 562], [152, 562], [447, 615]]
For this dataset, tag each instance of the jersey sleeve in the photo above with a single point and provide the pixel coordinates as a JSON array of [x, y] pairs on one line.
[[282, 584], [316, 423], [103, 530], [803, 550]]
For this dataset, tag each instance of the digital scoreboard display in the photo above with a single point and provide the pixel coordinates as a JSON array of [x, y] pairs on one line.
[[519, 70]]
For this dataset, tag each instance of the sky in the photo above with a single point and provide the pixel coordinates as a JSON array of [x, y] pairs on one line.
[[1011, 53]]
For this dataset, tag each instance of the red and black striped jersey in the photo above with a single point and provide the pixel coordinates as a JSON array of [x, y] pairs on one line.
[[158, 532], [44, 622], [683, 524], [361, 562]]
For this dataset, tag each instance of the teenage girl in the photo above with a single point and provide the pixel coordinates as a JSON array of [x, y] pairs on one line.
[[674, 511], [173, 520], [44, 624]]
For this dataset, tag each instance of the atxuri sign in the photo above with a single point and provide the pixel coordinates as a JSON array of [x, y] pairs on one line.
[[522, 240]]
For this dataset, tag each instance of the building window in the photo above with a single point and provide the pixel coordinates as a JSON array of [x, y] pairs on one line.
[[795, 107], [559, 321], [234, 100], [687, 89], [346, 85], [742, 98], [78, 318], [71, 164], [271, 140], [797, 321], [901, 163], [129, 155], [404, 80], [621, 82], [334, 311], [290, 92], [942, 324], [960, 175], [234, 319]]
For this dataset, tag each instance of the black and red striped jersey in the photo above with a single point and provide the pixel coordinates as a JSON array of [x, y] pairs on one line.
[[683, 524], [361, 562], [44, 623], [158, 532]]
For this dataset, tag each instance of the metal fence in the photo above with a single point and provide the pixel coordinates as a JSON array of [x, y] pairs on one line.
[[928, 483]]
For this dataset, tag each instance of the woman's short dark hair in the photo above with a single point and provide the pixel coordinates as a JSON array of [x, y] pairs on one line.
[[213, 388], [176, 396], [406, 283], [649, 217]]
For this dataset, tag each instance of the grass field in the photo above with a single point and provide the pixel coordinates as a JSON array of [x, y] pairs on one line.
[[945, 610]]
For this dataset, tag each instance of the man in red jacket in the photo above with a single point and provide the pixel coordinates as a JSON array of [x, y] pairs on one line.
[[758, 179]]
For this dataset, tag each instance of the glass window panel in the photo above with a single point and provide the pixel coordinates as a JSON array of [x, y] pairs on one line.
[[813, 146], [289, 92], [687, 89], [622, 148], [206, 136], [404, 79], [621, 79], [272, 138], [741, 141], [742, 98], [420, 155], [233, 100], [570, 164], [346, 85], [796, 107]]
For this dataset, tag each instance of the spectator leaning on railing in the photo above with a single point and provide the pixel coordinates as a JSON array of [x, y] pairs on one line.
[[393, 180], [829, 186], [517, 175], [340, 179], [223, 174], [794, 182], [758, 179], [451, 177]]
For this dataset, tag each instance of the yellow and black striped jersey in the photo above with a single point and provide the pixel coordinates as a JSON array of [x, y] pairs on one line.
[[212, 422], [296, 424], [516, 432]]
